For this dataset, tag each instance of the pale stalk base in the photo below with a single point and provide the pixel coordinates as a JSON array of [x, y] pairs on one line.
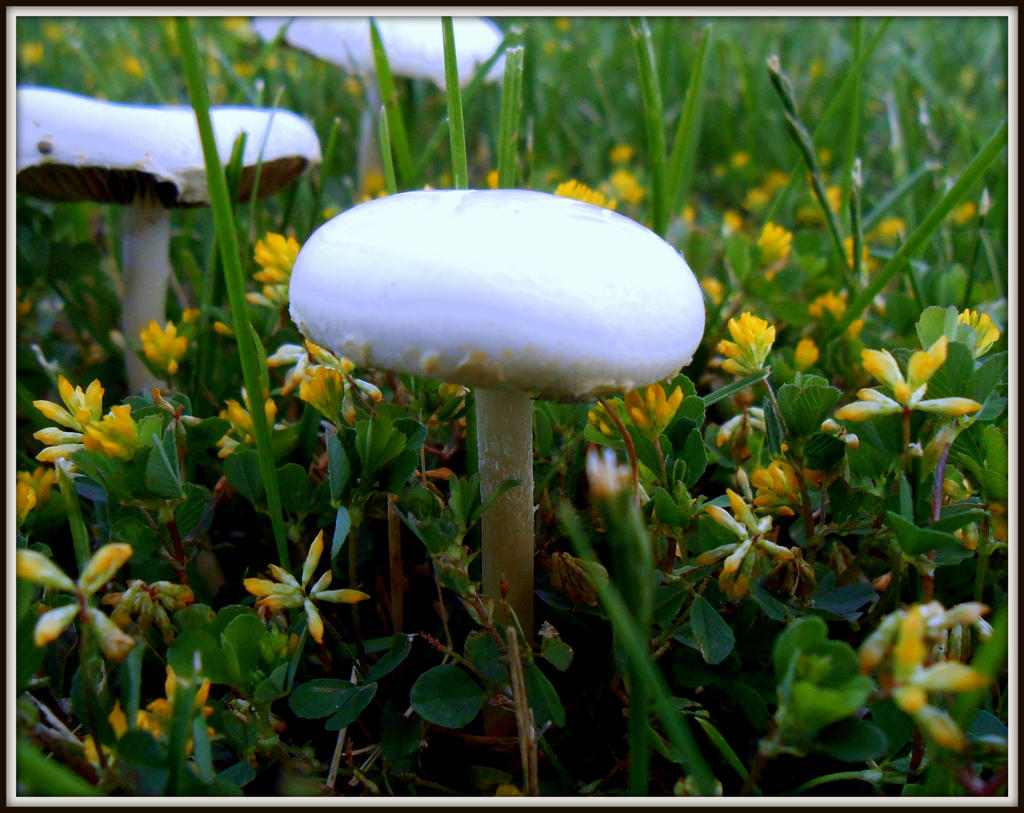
[[145, 270], [505, 442]]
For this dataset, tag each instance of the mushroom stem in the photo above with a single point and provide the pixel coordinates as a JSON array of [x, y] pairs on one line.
[[504, 421], [145, 270]]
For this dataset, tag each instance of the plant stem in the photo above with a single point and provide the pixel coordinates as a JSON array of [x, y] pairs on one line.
[[79, 533], [227, 238], [505, 444]]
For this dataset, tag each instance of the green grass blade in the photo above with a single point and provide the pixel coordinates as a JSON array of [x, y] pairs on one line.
[[684, 147], [654, 119], [916, 240], [389, 95], [234, 280], [456, 124], [838, 100], [852, 121], [890, 198], [43, 776], [508, 128], [386, 159], [328, 158], [805, 143]]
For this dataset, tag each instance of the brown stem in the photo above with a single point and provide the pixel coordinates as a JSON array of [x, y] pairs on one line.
[[179, 551], [630, 448]]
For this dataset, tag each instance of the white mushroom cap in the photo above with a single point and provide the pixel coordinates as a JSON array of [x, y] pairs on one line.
[[414, 45], [72, 147], [499, 289]]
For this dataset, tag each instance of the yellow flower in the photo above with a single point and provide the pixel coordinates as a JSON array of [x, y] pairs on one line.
[[288, 592], [831, 302], [744, 559], [806, 354], [732, 222], [774, 242], [116, 434], [987, 334], [626, 186], [275, 254], [752, 340], [908, 392], [621, 154], [600, 419], [492, 179], [82, 409], [190, 315], [223, 329], [964, 213], [777, 488], [32, 53], [562, 24], [739, 159], [756, 198], [775, 179], [901, 646], [689, 214], [834, 196], [244, 69], [865, 258], [713, 288], [105, 562], [890, 230], [130, 65], [324, 389], [241, 430], [33, 489], [651, 410], [577, 191], [164, 348], [53, 31]]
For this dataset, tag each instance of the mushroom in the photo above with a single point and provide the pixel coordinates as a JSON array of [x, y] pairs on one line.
[[414, 47], [149, 159], [515, 293]]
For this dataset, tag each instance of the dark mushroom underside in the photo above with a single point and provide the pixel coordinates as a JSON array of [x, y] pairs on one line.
[[67, 184]]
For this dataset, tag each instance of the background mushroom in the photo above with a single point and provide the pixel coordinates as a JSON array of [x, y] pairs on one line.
[[149, 159], [414, 47], [515, 293]]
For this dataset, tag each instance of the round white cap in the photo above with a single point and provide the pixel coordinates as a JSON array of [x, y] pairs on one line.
[[72, 147], [414, 45], [499, 288]]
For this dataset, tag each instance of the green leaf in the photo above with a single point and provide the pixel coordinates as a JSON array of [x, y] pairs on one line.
[[342, 527], [320, 697], [737, 255], [401, 646], [377, 443], [542, 697], [181, 656], [163, 477], [852, 740], [272, 687], [240, 641], [715, 640], [800, 635], [815, 706], [823, 451], [351, 707], [773, 427], [556, 652], [696, 458], [916, 541], [953, 378], [242, 469], [936, 322], [543, 434], [446, 696], [191, 512], [338, 467], [482, 652], [296, 492], [400, 735], [804, 406], [845, 601]]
